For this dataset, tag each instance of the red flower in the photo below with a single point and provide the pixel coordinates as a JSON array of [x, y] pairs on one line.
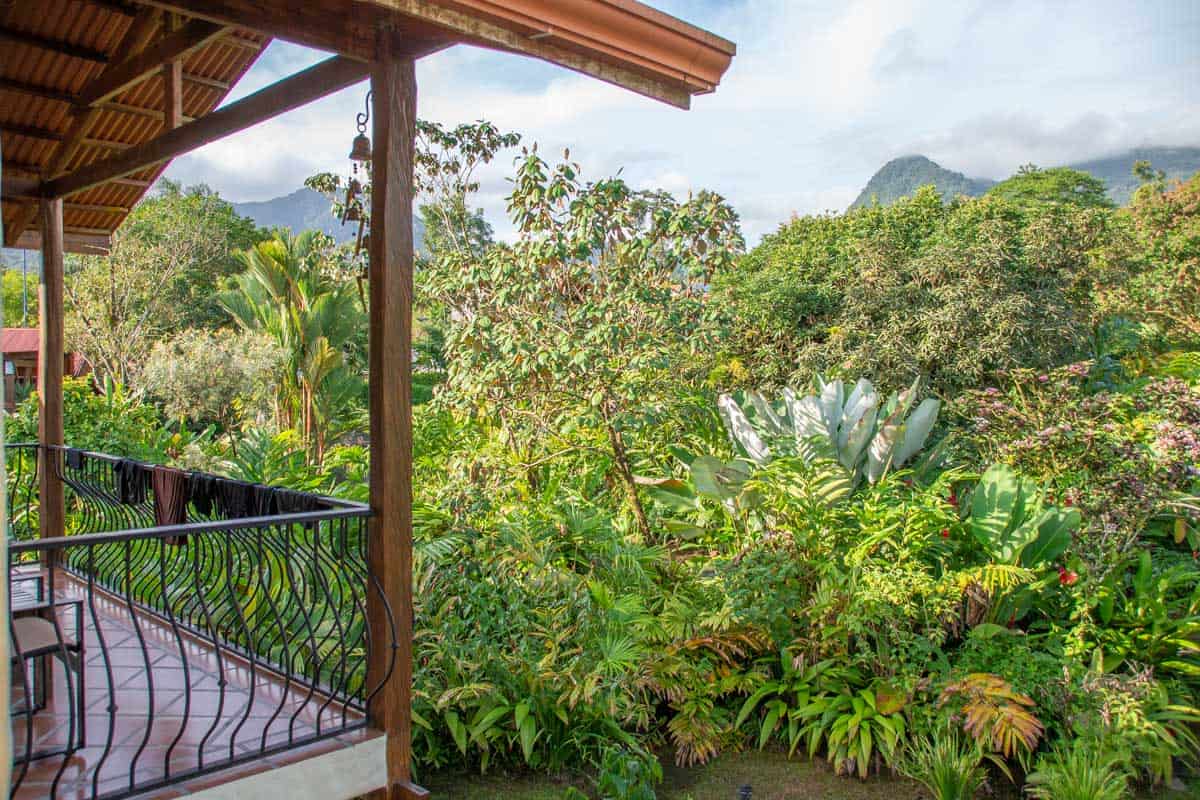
[[1067, 577], [952, 499], [945, 533]]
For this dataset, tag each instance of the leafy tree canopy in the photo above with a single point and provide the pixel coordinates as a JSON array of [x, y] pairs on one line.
[[948, 292], [595, 315], [1034, 186], [14, 287], [162, 275]]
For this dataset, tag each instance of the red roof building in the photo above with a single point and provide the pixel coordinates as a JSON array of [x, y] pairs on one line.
[[19, 350]]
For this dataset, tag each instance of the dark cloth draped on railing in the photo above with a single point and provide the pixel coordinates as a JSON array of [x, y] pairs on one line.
[[236, 635]]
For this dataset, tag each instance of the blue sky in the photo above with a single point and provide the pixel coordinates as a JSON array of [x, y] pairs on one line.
[[819, 96]]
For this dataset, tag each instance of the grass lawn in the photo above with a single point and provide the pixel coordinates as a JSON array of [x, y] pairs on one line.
[[770, 774]]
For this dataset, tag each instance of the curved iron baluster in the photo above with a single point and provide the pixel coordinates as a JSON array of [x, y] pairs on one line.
[[287, 598]]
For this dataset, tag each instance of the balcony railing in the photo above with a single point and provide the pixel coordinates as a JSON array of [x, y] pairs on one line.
[[147, 655]]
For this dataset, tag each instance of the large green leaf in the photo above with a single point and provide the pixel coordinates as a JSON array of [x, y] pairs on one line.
[[716, 479], [1053, 537]]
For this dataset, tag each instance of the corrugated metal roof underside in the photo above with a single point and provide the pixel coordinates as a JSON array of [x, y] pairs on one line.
[[50, 51]]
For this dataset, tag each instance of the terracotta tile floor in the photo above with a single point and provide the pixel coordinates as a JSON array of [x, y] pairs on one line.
[[188, 721]]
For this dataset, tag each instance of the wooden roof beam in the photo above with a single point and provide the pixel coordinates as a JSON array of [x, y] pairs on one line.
[[84, 243], [84, 208], [36, 91], [141, 111], [53, 136], [350, 34], [53, 45], [115, 6], [300, 89], [66, 97], [172, 47]]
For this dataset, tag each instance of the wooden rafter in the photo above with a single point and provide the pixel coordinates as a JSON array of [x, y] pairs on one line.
[[52, 45], [313, 83], [140, 111], [61, 96], [34, 132], [135, 40], [84, 208], [115, 6], [36, 91], [172, 47], [308, 23]]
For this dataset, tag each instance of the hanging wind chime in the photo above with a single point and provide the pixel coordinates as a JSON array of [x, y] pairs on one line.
[[352, 207], [360, 157]]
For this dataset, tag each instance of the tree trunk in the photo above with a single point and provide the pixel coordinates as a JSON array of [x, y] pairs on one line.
[[621, 459]]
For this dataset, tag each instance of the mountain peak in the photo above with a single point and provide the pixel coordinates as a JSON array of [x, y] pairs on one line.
[[902, 176], [306, 209]]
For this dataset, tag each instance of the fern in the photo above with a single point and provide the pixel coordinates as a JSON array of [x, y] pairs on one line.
[[1185, 366], [993, 579]]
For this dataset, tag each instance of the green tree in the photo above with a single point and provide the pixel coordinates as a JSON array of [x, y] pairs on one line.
[[1161, 257], [948, 292], [1034, 186], [163, 273], [220, 377], [293, 292], [15, 287], [595, 317]]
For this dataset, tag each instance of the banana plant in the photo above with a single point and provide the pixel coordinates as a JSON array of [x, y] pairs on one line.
[[850, 425], [1012, 522]]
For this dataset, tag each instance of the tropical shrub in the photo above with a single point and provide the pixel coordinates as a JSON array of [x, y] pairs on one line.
[[1119, 457], [1148, 719], [998, 718], [220, 378], [850, 428], [109, 421]]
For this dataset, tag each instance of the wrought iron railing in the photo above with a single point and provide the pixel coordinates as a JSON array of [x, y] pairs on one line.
[[170, 651]]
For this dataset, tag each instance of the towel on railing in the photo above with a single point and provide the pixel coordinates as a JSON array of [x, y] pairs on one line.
[[202, 491], [74, 458], [170, 498], [289, 501], [235, 499], [264, 501], [131, 481]]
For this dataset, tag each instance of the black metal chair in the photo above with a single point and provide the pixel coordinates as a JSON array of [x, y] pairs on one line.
[[37, 640]]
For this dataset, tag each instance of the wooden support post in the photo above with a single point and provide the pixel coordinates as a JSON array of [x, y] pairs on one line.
[[50, 369], [394, 86], [172, 94]]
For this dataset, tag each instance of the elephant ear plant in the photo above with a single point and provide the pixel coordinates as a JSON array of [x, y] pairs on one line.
[[850, 425], [1011, 521]]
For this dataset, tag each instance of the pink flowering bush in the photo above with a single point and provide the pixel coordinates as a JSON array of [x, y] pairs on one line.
[[1119, 456]]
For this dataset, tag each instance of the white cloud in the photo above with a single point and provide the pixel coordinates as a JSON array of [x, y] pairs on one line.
[[818, 97]]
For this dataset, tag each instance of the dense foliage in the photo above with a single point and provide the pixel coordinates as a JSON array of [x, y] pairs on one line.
[[961, 546], [949, 293]]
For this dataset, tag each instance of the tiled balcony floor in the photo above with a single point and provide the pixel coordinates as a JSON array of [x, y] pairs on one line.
[[187, 722]]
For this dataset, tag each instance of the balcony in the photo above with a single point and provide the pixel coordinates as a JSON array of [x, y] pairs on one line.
[[165, 658]]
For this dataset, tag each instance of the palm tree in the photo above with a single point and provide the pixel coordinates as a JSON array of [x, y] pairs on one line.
[[289, 292]]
